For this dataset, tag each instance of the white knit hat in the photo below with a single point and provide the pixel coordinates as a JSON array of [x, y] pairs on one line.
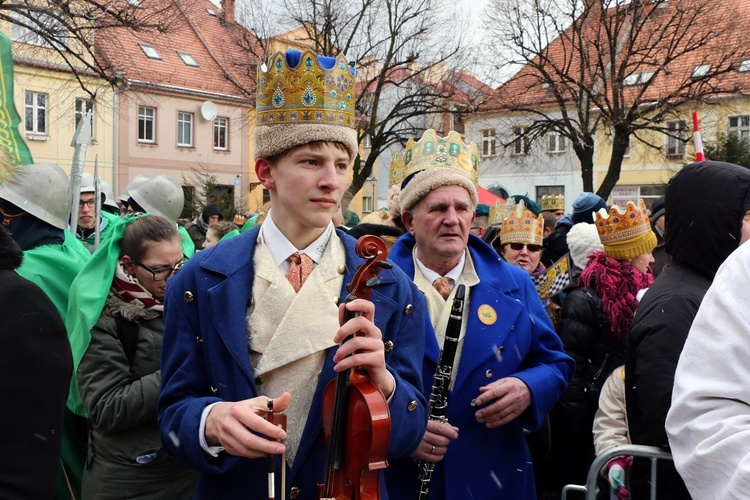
[[583, 240]]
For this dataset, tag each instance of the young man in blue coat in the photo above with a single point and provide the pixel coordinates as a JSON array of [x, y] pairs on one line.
[[257, 317], [510, 368]]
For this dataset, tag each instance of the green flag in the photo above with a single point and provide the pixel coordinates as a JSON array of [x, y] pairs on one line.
[[10, 140]]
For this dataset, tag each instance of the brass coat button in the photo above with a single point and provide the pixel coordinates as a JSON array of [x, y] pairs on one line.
[[412, 406], [294, 492], [488, 374], [214, 390], [199, 340], [188, 296], [408, 309], [342, 269], [388, 346], [259, 379], [336, 300]]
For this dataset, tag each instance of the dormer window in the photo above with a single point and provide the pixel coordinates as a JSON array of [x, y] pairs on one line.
[[744, 65], [701, 70], [638, 78], [187, 59], [150, 51]]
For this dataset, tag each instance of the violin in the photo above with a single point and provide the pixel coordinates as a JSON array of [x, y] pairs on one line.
[[356, 417]]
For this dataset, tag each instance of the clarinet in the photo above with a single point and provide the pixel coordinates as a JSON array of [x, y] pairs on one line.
[[440, 384]]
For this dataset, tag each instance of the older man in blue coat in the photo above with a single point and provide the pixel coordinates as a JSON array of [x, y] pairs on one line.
[[510, 368]]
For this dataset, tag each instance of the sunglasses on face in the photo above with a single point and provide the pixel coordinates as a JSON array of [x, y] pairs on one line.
[[519, 246]]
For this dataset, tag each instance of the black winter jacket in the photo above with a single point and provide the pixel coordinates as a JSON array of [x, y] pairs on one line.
[[699, 237]]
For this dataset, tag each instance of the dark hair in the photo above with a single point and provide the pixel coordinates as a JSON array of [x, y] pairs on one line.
[[149, 228], [222, 228], [550, 219]]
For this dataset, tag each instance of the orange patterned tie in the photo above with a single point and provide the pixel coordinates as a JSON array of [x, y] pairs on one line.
[[300, 267], [443, 286]]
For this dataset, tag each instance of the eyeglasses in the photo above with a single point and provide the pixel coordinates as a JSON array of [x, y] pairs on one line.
[[519, 246], [89, 203], [163, 272]]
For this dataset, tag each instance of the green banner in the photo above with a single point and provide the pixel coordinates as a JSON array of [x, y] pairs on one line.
[[10, 140]]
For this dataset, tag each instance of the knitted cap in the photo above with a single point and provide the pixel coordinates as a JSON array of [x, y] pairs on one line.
[[585, 205], [625, 234], [658, 208], [302, 98], [583, 240]]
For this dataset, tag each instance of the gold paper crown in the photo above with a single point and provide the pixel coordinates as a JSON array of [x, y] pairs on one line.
[[625, 234], [553, 202], [396, 175], [305, 93], [520, 225], [442, 152], [496, 214]]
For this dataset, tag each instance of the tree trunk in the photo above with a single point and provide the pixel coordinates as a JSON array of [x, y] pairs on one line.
[[620, 144]]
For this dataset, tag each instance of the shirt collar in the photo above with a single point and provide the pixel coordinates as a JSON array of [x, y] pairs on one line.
[[281, 248], [431, 275]]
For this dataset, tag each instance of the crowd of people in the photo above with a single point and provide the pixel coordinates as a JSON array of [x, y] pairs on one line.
[[147, 358]]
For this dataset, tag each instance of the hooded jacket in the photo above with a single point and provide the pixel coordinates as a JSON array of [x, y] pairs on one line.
[[705, 204]]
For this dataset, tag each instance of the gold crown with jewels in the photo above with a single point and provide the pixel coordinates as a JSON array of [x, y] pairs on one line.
[[308, 92], [496, 214], [442, 152], [553, 202], [625, 234], [396, 175], [520, 225]]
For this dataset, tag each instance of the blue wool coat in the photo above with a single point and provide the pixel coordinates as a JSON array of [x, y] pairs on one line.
[[490, 463], [205, 360]]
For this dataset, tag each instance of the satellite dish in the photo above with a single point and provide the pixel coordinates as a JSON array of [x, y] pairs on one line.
[[208, 110]]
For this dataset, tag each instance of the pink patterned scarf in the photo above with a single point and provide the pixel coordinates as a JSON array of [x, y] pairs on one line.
[[617, 284], [130, 290]]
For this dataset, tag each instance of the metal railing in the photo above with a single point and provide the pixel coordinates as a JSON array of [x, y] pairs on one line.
[[635, 450]]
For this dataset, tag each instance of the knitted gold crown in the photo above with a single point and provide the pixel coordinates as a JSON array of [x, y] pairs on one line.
[[553, 202], [396, 175], [625, 234], [520, 225], [442, 152], [309, 92]]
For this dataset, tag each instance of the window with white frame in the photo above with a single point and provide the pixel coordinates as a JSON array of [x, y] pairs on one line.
[[221, 133], [35, 108], [555, 143], [676, 139], [489, 142], [37, 28], [185, 129], [739, 126], [85, 106], [521, 142], [146, 124], [366, 204]]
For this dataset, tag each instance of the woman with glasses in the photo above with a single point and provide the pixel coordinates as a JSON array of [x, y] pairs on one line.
[[596, 318], [119, 375]]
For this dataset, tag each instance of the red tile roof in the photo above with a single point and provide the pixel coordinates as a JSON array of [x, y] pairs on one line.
[[722, 21], [222, 66]]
